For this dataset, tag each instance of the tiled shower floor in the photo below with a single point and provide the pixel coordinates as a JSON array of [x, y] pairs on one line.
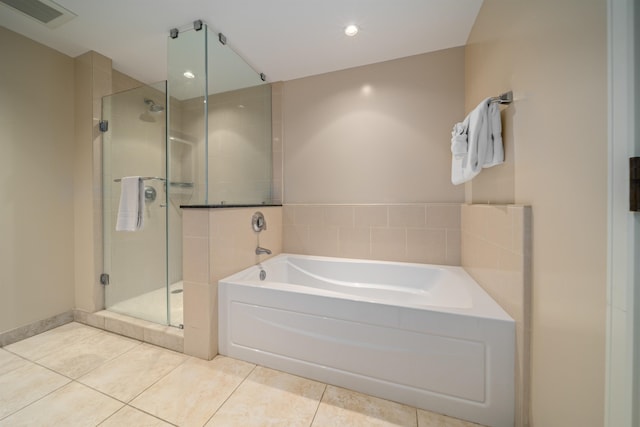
[[76, 375], [152, 305]]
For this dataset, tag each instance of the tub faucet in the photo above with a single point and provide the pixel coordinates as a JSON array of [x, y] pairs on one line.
[[260, 251]]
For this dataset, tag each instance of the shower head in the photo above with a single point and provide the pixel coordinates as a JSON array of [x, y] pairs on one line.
[[153, 107]]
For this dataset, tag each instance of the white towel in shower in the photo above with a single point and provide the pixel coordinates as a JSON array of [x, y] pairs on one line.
[[484, 143], [131, 209]]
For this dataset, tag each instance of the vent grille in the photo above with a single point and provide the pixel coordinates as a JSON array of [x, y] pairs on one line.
[[46, 12]]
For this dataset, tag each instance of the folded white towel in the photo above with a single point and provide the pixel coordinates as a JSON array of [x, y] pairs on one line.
[[484, 143], [459, 140], [131, 209], [495, 138]]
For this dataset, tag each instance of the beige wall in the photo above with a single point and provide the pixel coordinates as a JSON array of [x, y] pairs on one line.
[[553, 56], [36, 181], [374, 134]]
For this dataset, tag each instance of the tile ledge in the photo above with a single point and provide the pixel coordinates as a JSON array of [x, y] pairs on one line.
[[152, 333]]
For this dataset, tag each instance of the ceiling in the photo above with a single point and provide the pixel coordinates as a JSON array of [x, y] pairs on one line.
[[285, 39]]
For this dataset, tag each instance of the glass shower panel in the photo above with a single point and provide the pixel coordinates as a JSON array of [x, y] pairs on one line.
[[220, 122], [239, 128], [135, 145], [187, 117]]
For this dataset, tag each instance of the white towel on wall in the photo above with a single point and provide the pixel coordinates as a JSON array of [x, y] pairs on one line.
[[484, 143], [131, 209], [459, 143], [495, 142]]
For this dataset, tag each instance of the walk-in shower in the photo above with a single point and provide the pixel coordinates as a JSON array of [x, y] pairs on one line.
[[146, 265], [203, 137]]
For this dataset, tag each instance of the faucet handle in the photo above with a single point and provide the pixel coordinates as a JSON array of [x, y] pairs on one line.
[[258, 222]]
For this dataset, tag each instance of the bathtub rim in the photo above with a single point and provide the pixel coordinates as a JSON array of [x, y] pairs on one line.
[[483, 305]]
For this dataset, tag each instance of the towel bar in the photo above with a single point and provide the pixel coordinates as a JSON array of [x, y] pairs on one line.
[[144, 178], [173, 184], [505, 98]]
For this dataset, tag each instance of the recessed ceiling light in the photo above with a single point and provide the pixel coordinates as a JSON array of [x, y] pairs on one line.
[[351, 30], [188, 74]]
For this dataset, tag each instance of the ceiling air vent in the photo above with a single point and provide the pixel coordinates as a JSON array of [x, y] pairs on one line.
[[46, 12]]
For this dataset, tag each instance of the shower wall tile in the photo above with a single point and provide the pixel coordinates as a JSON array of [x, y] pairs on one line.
[[417, 232]]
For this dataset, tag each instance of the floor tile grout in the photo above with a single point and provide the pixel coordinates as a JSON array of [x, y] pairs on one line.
[[41, 397], [315, 413], [232, 392]]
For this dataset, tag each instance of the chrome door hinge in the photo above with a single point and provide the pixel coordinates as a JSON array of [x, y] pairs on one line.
[[104, 279], [634, 184], [103, 125]]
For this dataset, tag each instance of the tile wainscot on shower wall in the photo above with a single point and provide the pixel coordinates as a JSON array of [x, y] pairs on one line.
[[417, 232], [216, 243], [496, 252]]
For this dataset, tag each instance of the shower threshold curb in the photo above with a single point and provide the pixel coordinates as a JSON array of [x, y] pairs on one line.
[[161, 335]]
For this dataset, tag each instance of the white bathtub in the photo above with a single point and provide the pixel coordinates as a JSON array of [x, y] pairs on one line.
[[423, 335]]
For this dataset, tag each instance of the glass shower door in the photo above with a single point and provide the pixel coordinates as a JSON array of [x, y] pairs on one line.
[[137, 261]]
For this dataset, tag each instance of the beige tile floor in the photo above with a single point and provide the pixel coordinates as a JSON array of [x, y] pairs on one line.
[[76, 375]]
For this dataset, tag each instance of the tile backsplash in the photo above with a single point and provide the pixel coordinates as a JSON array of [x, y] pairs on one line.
[[416, 232]]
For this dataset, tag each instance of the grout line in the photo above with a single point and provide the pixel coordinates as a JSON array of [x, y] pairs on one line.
[[41, 397], [232, 392], [318, 407]]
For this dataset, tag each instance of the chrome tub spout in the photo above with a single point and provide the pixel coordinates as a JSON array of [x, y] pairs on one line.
[[260, 251]]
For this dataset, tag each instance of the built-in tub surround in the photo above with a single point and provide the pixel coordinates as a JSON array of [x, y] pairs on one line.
[[423, 335], [496, 252], [410, 232], [218, 242]]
